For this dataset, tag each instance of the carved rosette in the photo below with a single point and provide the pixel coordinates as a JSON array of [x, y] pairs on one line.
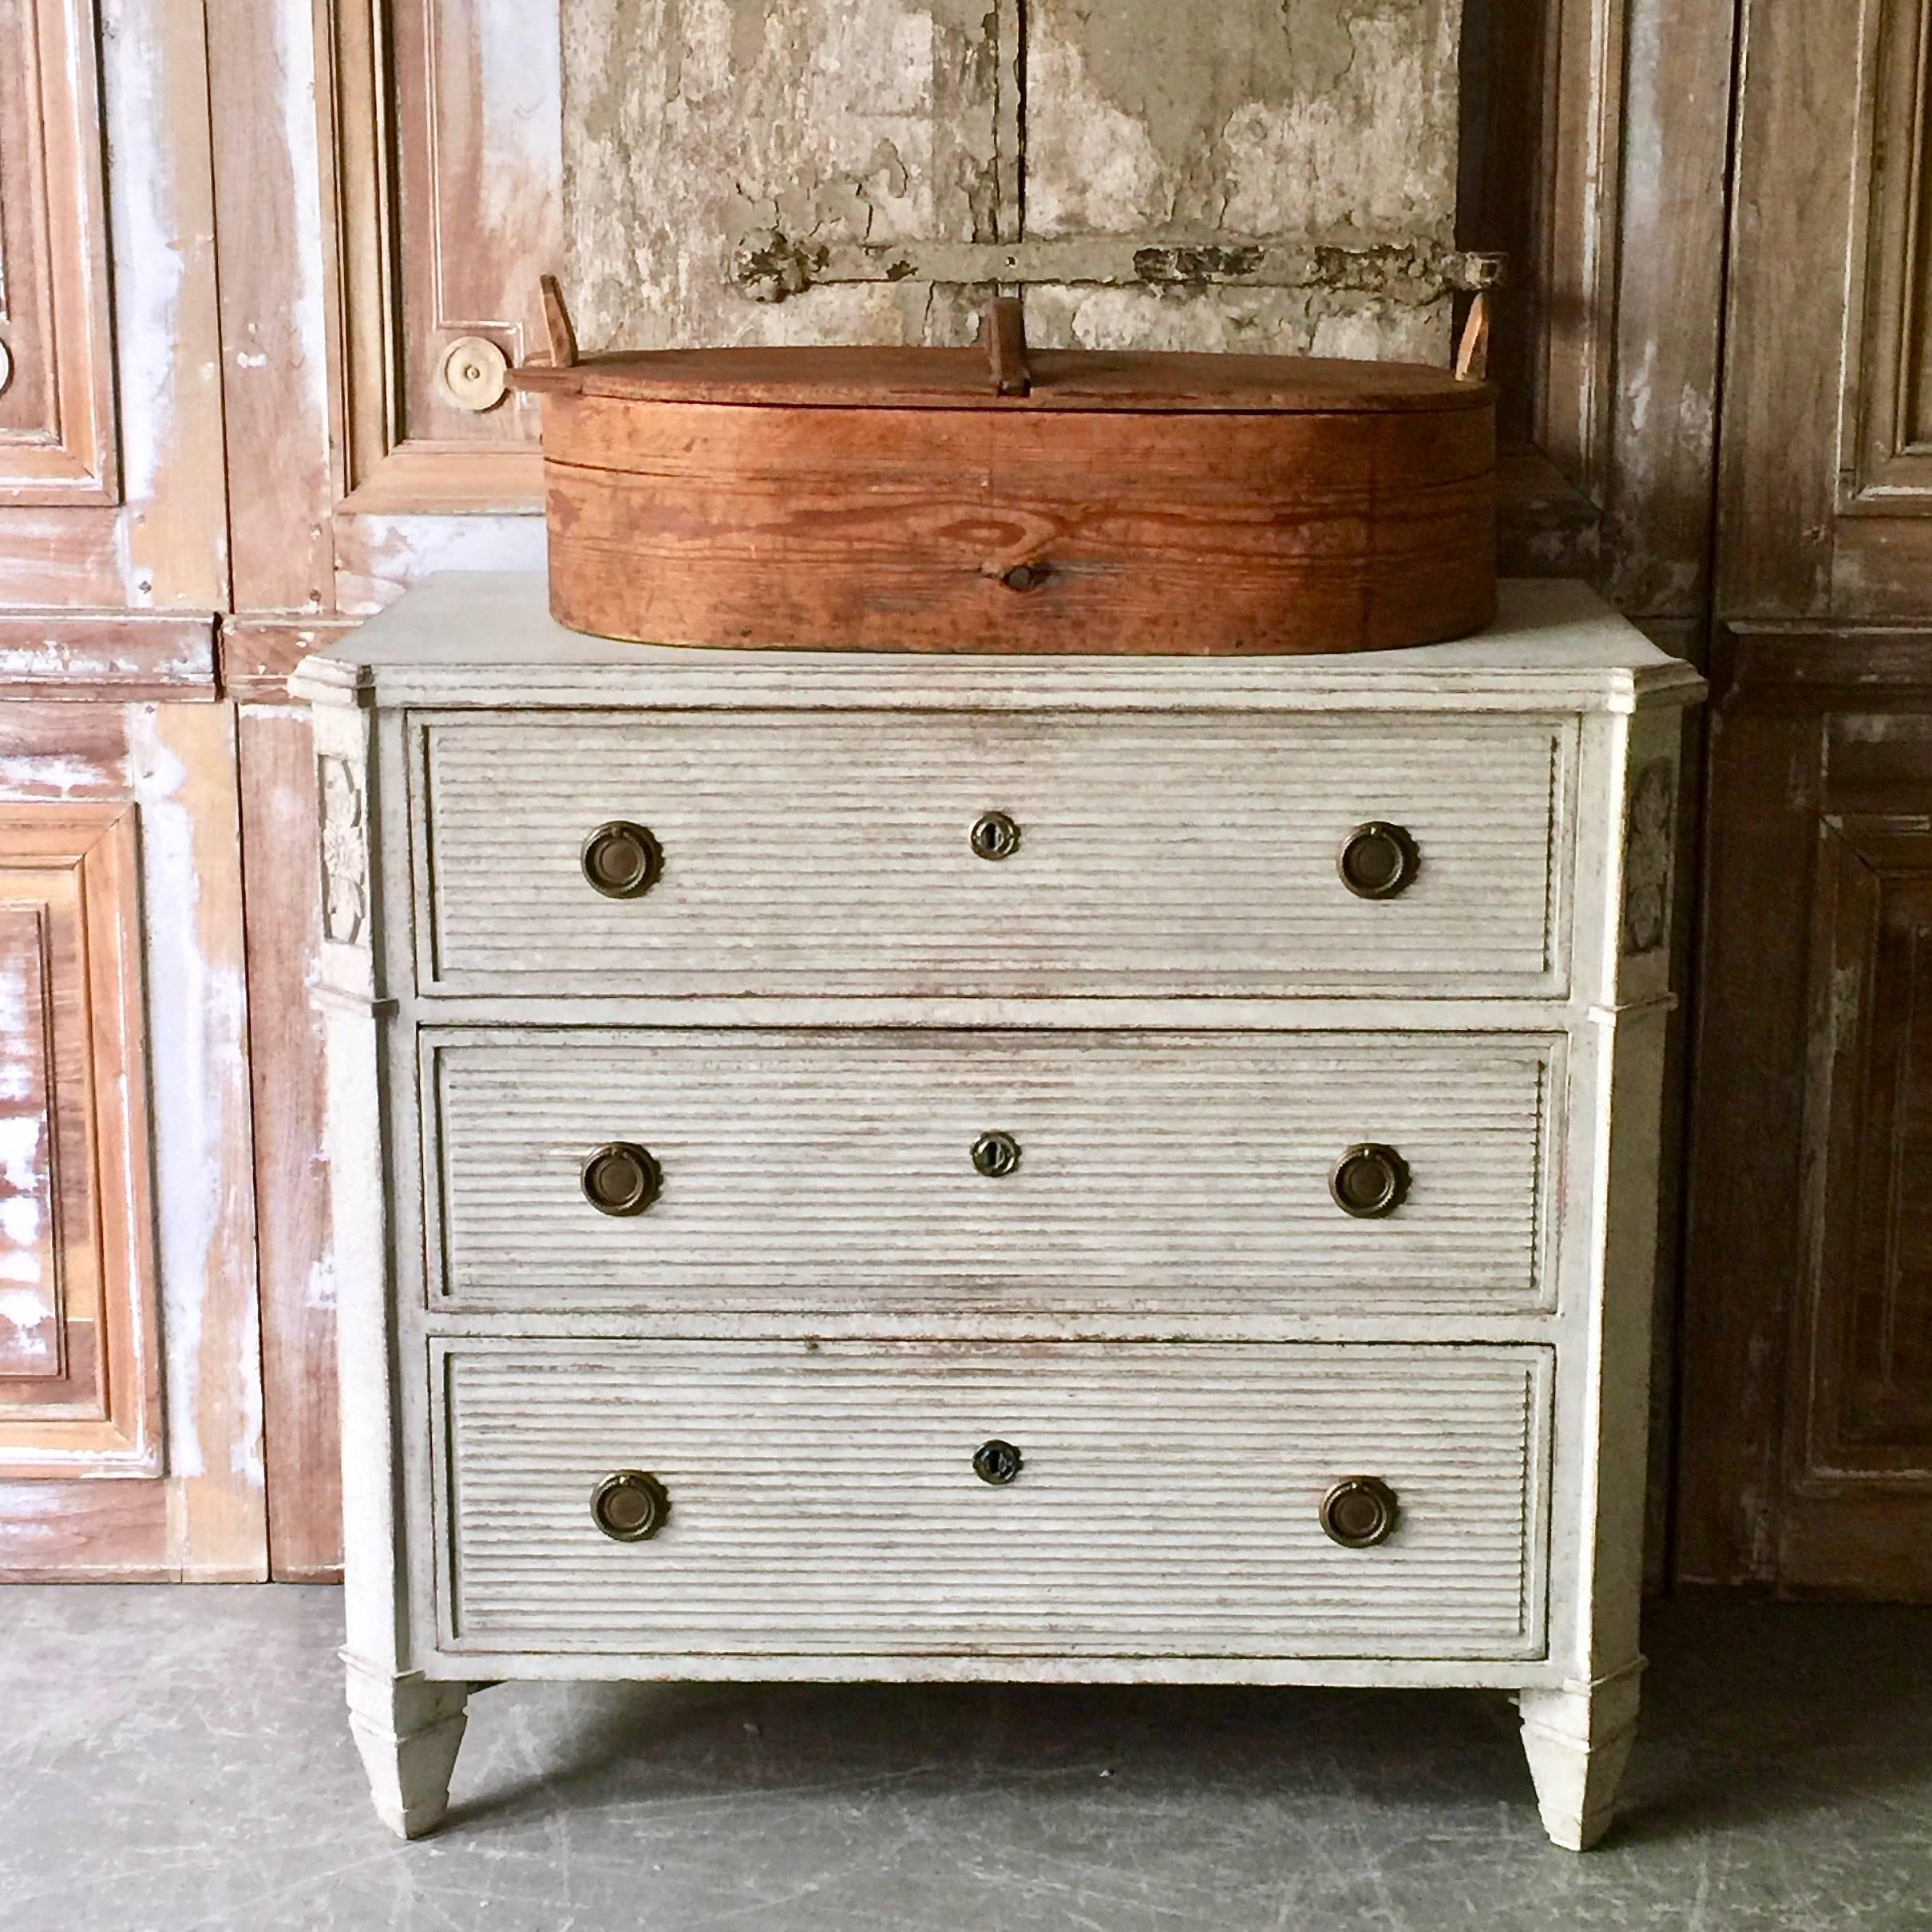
[[1649, 845], [345, 850]]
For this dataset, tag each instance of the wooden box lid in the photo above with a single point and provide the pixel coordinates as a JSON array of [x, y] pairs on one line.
[[1156, 381]]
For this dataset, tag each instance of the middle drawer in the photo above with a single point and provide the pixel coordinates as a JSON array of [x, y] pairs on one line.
[[767, 1169]]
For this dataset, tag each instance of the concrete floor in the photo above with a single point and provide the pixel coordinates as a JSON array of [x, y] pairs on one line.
[[175, 1761]]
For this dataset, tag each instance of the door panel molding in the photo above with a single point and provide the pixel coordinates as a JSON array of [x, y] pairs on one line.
[[1805, 1460], [80, 1389], [56, 375]]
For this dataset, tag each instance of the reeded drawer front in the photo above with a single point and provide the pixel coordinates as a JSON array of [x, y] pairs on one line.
[[824, 1498], [825, 854], [905, 1169]]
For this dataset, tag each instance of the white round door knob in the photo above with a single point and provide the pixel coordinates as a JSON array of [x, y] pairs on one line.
[[475, 372]]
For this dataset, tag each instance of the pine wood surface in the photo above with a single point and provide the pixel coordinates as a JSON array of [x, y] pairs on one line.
[[1012, 529]]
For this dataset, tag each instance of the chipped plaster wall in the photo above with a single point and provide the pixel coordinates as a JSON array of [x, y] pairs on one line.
[[700, 134], [863, 170]]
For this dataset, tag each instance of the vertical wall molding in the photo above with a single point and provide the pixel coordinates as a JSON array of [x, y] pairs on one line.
[[1885, 424]]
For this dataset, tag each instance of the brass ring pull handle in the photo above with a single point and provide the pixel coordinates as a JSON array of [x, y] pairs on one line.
[[996, 1462], [1370, 1181], [994, 836], [995, 1155], [1359, 1512], [630, 1506], [621, 860], [1378, 860], [622, 1179]]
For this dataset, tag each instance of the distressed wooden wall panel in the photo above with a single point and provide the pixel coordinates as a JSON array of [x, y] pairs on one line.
[[141, 404], [439, 209], [1823, 487], [1869, 1131], [478, 160], [79, 1387], [57, 379], [118, 834], [171, 530], [1805, 1463], [1595, 156], [185, 782], [296, 1266], [1888, 432], [1807, 1419], [276, 391]]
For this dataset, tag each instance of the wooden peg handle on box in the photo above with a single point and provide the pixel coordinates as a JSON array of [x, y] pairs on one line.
[[1006, 347], [563, 338]]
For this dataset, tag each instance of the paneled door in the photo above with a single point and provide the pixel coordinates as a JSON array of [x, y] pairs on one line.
[[129, 1388], [1807, 1398]]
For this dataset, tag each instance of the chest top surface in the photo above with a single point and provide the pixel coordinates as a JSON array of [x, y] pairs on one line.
[[487, 639]]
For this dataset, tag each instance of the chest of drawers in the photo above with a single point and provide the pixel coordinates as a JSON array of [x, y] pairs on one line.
[[854, 1166]]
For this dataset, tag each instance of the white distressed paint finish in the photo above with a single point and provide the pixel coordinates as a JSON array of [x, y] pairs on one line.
[[30, 1274], [1170, 854], [1511, 1401], [823, 1499], [1188, 1172], [483, 637]]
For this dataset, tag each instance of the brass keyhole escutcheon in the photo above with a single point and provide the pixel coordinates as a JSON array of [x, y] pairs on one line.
[[996, 1462], [629, 1506], [1370, 1181], [995, 1154], [1378, 860], [621, 1178], [622, 861], [995, 835], [1359, 1512]]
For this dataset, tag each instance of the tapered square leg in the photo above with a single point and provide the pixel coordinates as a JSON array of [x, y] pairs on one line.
[[408, 1730], [1578, 1740]]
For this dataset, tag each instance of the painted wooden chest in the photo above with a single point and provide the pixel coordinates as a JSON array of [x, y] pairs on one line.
[[871, 1167]]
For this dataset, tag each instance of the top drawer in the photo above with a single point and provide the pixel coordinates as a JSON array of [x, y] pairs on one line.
[[825, 852]]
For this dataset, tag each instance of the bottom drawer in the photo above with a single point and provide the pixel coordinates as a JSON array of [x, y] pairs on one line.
[[823, 1498]]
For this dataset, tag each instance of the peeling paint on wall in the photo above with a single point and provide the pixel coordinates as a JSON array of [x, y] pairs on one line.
[[695, 127], [722, 160]]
